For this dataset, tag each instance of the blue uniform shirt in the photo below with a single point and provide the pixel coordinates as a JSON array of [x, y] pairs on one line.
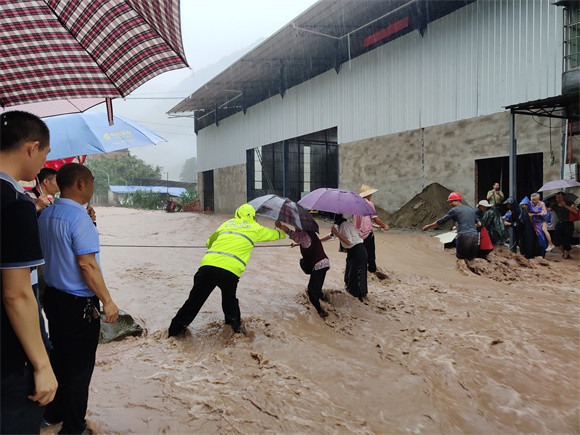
[[66, 230]]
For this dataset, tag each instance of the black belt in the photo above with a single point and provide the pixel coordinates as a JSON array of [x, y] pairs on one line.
[[65, 295]]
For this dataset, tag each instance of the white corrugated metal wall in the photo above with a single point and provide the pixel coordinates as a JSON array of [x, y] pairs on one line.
[[473, 62]]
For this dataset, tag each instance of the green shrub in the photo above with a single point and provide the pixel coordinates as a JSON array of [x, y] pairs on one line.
[[188, 196], [144, 200]]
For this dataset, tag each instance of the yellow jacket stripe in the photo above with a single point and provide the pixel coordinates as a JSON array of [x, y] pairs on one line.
[[231, 245]]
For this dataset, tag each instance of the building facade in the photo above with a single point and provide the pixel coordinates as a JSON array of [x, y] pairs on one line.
[[424, 106]]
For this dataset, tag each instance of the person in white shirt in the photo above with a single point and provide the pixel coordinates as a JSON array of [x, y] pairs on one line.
[[355, 274]]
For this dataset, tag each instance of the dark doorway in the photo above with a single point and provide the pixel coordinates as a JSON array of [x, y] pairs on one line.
[[530, 175], [312, 163], [208, 190]]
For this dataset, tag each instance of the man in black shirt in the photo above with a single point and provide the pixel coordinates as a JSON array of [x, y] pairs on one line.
[[564, 227], [27, 380]]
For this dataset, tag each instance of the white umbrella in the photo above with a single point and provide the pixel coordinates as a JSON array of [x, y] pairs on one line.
[[558, 185]]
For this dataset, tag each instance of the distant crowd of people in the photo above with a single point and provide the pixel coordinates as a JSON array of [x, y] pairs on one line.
[[537, 228]]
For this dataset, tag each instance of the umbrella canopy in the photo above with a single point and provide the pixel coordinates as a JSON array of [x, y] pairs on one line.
[[337, 201], [568, 197], [90, 133], [56, 164], [284, 210], [56, 107], [84, 49], [558, 185]]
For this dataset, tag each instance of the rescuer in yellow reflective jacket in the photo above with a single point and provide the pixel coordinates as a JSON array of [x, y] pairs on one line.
[[229, 250]]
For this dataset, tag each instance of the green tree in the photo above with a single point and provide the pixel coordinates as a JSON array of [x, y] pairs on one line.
[[120, 170], [144, 200], [189, 171], [188, 196]]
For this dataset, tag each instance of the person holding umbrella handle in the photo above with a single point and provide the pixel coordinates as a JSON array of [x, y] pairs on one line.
[[314, 262]]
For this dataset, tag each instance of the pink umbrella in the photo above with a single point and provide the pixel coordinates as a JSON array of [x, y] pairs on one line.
[[337, 201], [84, 50]]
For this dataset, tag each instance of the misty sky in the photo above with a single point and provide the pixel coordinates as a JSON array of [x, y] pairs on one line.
[[212, 30]]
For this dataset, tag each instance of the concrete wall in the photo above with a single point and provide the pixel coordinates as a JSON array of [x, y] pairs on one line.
[[229, 188], [470, 63], [401, 164], [200, 189]]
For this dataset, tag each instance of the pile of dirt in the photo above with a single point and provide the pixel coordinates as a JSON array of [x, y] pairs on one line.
[[425, 208], [503, 265]]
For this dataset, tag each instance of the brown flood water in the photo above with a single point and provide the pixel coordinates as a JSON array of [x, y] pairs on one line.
[[434, 349]]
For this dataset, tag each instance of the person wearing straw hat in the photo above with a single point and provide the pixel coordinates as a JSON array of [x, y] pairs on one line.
[[364, 227]]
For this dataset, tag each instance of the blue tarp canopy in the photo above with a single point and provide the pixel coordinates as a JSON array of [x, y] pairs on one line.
[[173, 191]]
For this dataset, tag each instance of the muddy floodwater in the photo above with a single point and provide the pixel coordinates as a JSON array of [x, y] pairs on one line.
[[434, 349]]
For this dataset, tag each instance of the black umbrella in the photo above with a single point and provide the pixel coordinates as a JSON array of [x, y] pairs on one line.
[[568, 197], [284, 210]]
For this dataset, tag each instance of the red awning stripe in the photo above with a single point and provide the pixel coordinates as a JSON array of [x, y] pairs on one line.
[[397, 26]]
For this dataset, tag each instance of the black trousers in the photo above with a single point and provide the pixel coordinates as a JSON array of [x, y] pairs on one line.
[[74, 345], [18, 415], [315, 287], [204, 281], [355, 274], [467, 246], [564, 234], [369, 243]]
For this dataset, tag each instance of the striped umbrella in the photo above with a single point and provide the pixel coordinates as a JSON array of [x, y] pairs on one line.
[[79, 52], [284, 210]]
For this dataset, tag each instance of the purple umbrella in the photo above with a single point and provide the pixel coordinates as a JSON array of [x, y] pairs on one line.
[[284, 210], [337, 201], [558, 185]]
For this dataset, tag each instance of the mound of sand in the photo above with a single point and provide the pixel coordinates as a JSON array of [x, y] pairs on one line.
[[424, 208], [503, 265]]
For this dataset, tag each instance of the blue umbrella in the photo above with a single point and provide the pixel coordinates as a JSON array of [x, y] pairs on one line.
[[90, 133]]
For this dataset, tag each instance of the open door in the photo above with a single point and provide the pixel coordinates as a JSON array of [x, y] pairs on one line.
[[530, 176]]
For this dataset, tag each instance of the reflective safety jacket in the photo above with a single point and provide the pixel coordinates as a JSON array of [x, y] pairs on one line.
[[231, 245]]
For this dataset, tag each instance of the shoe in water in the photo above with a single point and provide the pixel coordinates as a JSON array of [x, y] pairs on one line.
[[174, 329], [239, 329], [323, 313], [549, 248]]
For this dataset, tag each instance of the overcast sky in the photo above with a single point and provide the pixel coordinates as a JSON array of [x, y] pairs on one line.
[[211, 30]]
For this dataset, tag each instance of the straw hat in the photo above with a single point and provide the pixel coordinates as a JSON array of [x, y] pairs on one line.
[[366, 191], [484, 203]]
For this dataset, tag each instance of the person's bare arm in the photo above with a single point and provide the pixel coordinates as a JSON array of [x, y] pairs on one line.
[[340, 236], [22, 310], [94, 279], [428, 227], [325, 238], [381, 224]]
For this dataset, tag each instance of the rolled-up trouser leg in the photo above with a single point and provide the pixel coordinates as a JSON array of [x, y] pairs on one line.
[[204, 281]]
